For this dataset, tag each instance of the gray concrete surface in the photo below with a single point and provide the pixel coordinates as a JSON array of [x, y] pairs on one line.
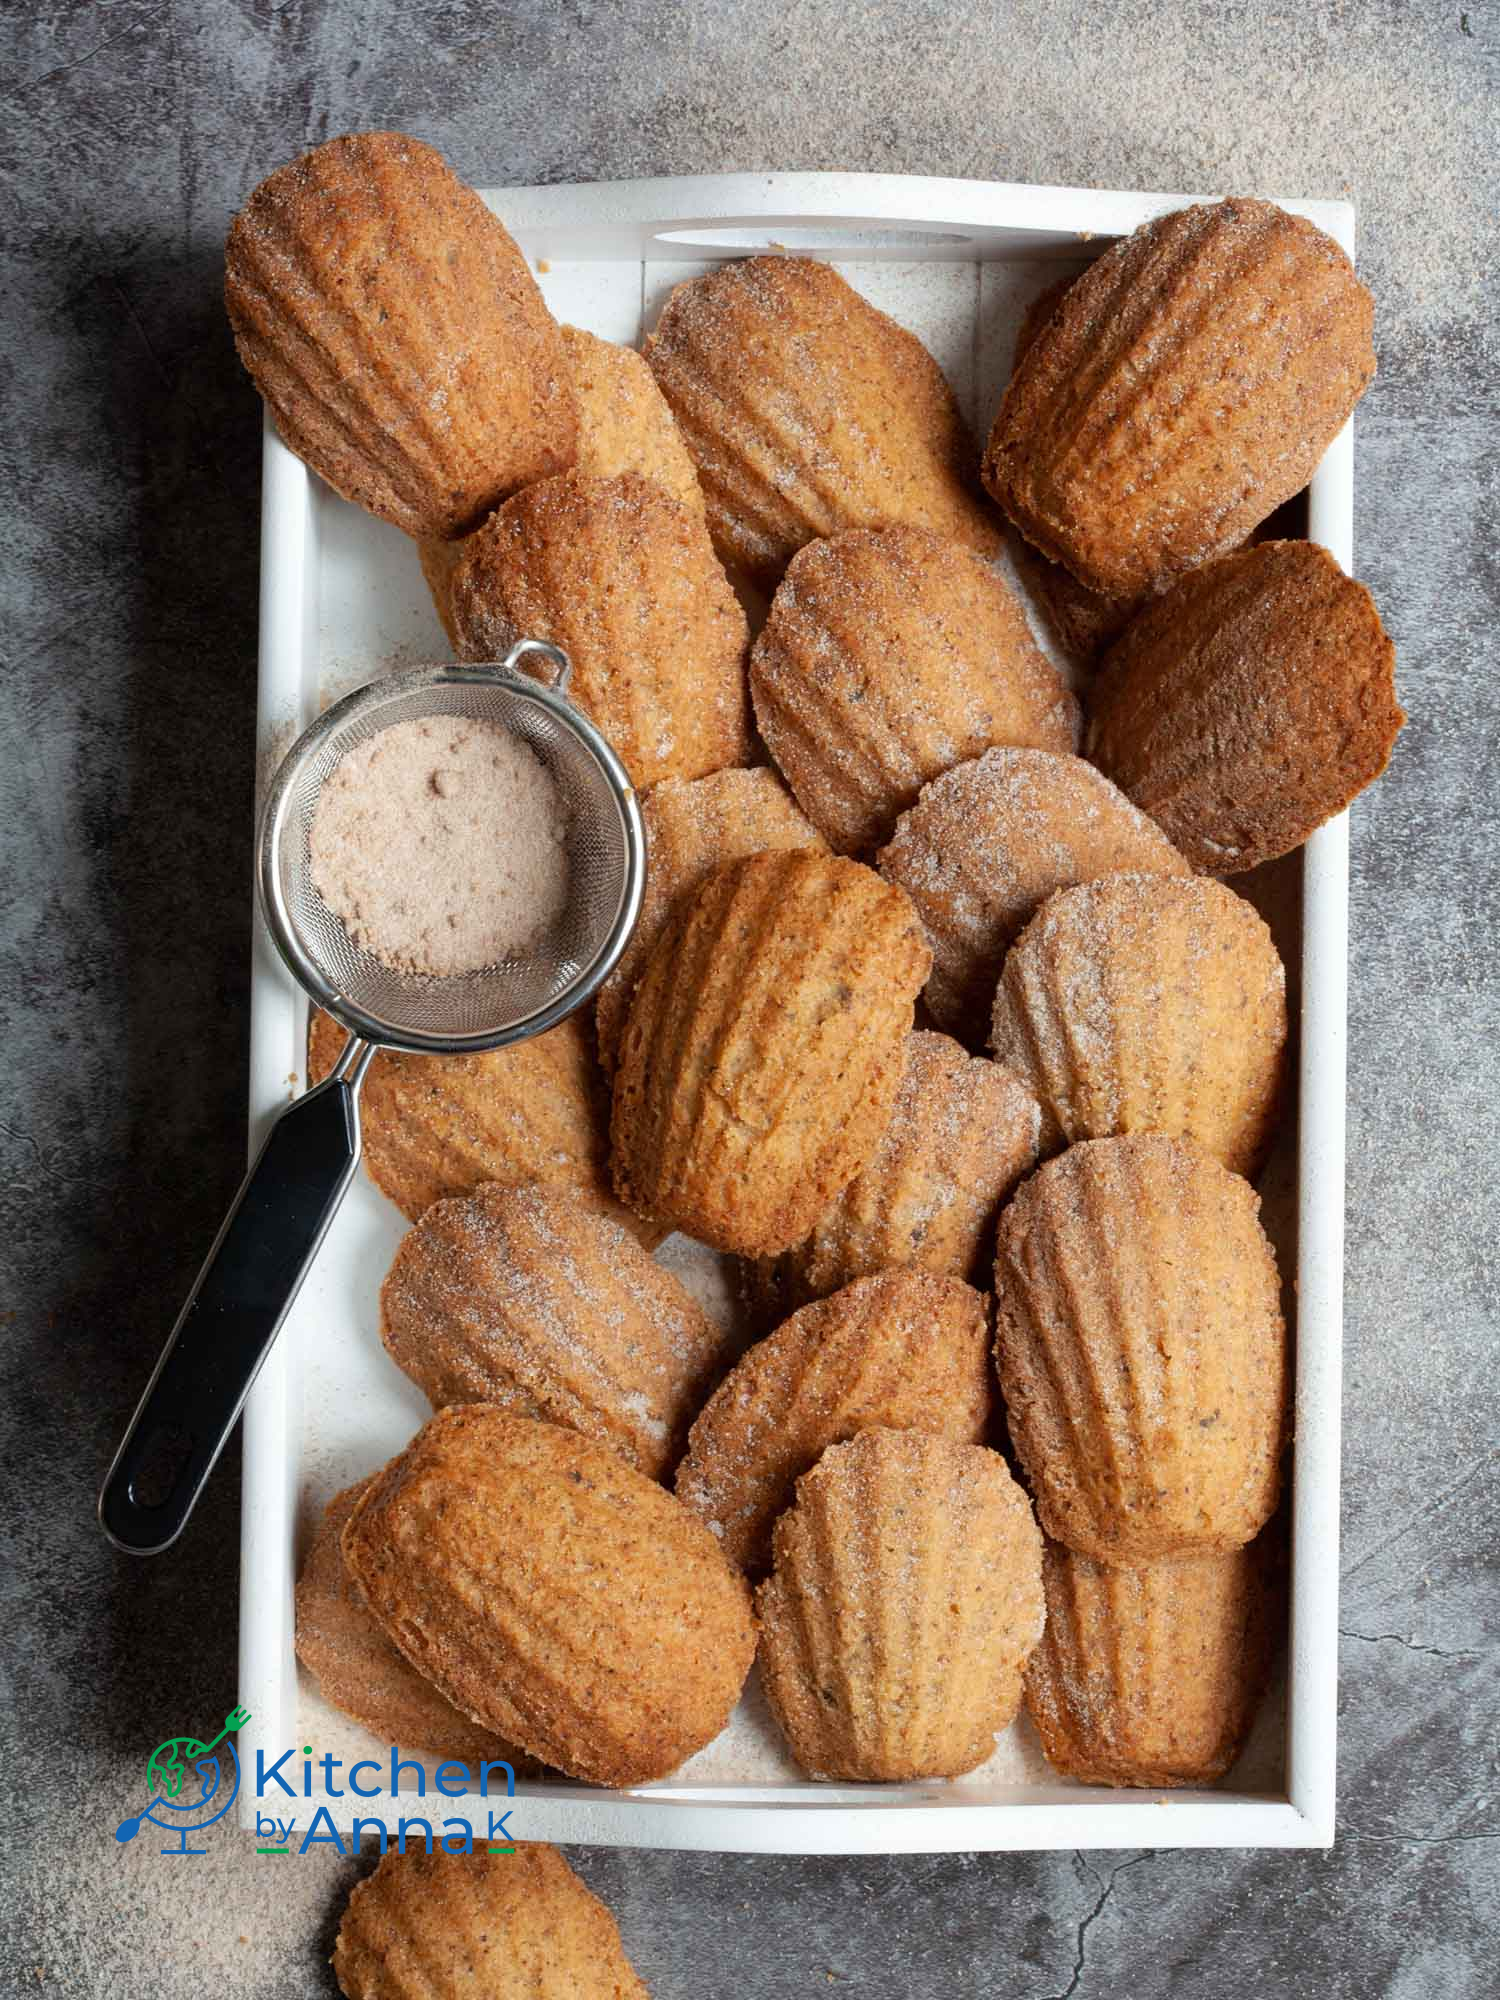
[[129, 443]]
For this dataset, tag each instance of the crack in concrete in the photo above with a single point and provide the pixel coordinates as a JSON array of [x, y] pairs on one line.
[[1398, 1639], [77, 62], [1433, 1506], [1080, 1950]]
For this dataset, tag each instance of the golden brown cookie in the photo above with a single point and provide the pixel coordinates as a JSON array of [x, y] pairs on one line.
[[526, 1298], [763, 1048], [906, 1598], [1083, 623], [693, 825], [1250, 704], [1148, 1003], [987, 843], [554, 1593], [624, 579], [481, 1926], [397, 335], [808, 412], [1150, 1675], [436, 1126], [1184, 387], [905, 1349], [962, 1133], [361, 1672], [890, 655], [1141, 1350]]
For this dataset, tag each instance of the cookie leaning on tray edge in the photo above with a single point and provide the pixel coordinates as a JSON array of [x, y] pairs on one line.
[[763, 1059]]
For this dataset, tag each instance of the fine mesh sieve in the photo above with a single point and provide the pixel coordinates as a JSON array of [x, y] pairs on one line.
[[516, 997], [292, 1192]]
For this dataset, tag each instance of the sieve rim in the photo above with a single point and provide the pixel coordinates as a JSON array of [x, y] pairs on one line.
[[394, 687]]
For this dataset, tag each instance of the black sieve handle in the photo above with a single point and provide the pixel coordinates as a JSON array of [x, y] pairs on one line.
[[233, 1313]]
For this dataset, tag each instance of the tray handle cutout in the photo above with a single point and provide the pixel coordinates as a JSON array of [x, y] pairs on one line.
[[831, 238]]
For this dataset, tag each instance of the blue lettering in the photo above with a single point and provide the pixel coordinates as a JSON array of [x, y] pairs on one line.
[[500, 1826], [330, 1765], [330, 1838], [452, 1787], [464, 1836], [365, 1764], [264, 1773], [403, 1824], [484, 1779], [360, 1829], [410, 1764]]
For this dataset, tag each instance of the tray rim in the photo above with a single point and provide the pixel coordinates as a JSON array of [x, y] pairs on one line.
[[578, 219]]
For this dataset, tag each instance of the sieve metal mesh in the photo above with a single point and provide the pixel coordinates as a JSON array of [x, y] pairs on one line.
[[514, 997]]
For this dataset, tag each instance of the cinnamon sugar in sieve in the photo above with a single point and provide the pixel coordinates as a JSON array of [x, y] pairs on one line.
[[440, 845]]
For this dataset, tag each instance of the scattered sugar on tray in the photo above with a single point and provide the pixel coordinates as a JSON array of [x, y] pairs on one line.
[[440, 845]]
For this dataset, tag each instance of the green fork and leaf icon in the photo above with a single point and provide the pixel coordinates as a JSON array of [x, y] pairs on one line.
[[170, 1760]]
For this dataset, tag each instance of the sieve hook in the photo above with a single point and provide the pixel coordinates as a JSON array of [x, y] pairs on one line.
[[542, 649]]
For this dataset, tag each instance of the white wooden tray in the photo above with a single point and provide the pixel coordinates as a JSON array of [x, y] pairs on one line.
[[341, 600]]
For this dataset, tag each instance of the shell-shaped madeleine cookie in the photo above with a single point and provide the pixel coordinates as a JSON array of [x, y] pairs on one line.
[[361, 1672], [397, 334], [436, 1126], [987, 843], [808, 412], [905, 1350], [890, 655], [528, 1299], [1141, 1350], [962, 1133], [1248, 705], [624, 579], [694, 825], [554, 1593], [624, 423], [1148, 1003], [763, 1048], [1183, 388], [1084, 623], [906, 1599], [481, 1926], [1150, 1675]]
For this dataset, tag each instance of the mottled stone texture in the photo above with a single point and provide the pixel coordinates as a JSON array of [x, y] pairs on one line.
[[130, 447]]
